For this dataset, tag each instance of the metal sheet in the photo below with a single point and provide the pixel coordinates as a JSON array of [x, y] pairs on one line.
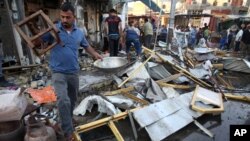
[[154, 93], [158, 72], [170, 92], [168, 125], [155, 112], [184, 102], [166, 117], [209, 96], [236, 64], [85, 81]]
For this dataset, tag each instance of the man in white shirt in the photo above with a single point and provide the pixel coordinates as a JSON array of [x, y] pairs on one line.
[[238, 38]]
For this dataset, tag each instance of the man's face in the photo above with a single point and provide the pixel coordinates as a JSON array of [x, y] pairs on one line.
[[112, 14], [67, 18], [243, 25]]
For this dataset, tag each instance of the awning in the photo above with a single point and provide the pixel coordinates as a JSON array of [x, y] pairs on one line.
[[152, 5]]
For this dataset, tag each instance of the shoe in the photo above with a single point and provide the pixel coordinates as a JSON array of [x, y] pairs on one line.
[[4, 83]]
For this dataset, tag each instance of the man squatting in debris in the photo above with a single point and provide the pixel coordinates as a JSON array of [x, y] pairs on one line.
[[65, 67], [131, 38]]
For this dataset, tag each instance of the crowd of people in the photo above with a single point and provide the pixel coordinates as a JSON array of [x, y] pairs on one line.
[[133, 35], [233, 39]]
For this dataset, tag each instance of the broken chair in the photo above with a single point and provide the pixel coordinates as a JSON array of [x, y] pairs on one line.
[[33, 27]]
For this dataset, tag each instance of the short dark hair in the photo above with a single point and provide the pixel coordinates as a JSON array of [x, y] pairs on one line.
[[112, 11], [130, 23], [67, 6]]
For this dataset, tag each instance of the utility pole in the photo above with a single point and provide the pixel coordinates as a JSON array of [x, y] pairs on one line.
[[171, 22]]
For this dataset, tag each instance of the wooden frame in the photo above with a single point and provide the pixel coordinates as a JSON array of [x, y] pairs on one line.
[[207, 99], [101, 122], [50, 28]]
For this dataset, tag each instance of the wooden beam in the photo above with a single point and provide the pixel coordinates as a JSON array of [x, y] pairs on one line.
[[224, 82], [21, 67], [218, 66], [115, 131], [76, 136], [143, 102], [174, 85], [119, 91], [238, 97]]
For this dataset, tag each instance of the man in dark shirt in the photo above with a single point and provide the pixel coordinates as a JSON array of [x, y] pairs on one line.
[[245, 41], [113, 28]]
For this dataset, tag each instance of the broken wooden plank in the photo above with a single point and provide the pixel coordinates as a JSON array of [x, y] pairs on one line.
[[189, 60], [115, 131], [119, 91], [76, 136], [218, 66], [209, 133], [224, 82], [238, 97], [143, 102], [21, 67], [174, 85]]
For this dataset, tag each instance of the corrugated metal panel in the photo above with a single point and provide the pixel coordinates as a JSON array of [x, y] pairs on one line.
[[184, 102], [166, 117], [168, 125], [236, 64], [155, 112]]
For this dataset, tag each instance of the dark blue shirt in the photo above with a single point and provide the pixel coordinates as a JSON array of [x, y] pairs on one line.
[[131, 34], [64, 56]]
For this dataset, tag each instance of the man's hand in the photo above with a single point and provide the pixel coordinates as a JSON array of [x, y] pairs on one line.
[[93, 53], [98, 56]]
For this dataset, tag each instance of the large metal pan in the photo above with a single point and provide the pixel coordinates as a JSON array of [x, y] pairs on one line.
[[110, 64]]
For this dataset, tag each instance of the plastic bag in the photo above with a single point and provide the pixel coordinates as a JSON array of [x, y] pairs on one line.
[[12, 105]]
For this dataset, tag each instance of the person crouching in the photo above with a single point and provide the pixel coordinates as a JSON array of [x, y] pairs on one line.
[[132, 38]]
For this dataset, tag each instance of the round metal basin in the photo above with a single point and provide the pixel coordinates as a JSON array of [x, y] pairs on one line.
[[110, 64]]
